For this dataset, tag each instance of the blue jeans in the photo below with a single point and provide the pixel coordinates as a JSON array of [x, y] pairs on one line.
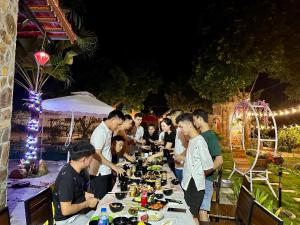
[[209, 189], [178, 174]]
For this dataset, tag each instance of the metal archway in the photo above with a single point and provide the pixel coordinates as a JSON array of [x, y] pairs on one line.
[[244, 113]]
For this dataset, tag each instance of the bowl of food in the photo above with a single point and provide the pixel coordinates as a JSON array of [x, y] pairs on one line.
[[168, 192], [175, 181], [120, 220], [133, 220], [120, 195], [163, 182], [116, 207], [159, 196], [138, 173]]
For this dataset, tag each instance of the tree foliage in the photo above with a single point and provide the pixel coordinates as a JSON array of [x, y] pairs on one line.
[[289, 137], [246, 41], [128, 89], [184, 97]]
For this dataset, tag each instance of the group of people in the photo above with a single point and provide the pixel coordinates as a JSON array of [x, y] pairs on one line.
[[185, 139]]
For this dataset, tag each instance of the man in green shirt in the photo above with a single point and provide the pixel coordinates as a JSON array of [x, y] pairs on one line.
[[200, 119]]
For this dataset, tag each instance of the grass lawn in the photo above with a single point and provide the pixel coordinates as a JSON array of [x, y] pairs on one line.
[[290, 179]]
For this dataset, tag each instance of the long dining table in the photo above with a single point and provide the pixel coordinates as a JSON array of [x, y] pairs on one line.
[[169, 218]]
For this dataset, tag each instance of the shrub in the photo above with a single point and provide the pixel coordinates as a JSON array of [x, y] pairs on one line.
[[289, 138]]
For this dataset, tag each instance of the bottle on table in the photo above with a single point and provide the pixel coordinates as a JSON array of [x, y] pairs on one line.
[[144, 198], [103, 219]]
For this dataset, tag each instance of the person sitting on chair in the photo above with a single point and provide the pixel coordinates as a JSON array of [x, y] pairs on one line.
[[71, 201]]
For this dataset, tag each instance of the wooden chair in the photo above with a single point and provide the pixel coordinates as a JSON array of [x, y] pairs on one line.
[[242, 212], [38, 209], [4, 216], [246, 183], [261, 216]]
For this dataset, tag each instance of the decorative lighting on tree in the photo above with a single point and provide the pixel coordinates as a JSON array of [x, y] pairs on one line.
[[35, 107]]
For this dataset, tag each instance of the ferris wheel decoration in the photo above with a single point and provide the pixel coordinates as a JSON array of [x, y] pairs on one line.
[[247, 136]]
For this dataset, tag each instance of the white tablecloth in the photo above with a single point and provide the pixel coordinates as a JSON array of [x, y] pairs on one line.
[[177, 218]]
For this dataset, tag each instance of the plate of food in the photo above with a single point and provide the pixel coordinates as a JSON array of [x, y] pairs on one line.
[[134, 210], [155, 216], [157, 204], [154, 168]]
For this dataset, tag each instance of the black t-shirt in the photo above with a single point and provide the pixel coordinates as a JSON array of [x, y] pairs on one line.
[[70, 186], [170, 138], [153, 137]]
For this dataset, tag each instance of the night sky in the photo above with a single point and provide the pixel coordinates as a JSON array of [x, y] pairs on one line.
[[167, 36]]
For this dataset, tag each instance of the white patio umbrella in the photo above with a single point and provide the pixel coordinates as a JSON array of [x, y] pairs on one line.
[[76, 105]]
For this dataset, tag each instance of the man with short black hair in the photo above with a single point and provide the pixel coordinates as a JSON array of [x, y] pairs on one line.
[[181, 143], [71, 201], [101, 166], [139, 129], [197, 164], [200, 119]]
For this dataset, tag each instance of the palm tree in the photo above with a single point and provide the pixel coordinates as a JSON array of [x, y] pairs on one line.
[[32, 77]]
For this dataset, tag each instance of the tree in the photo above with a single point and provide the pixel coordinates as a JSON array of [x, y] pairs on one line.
[[33, 76], [182, 96], [247, 46], [129, 89]]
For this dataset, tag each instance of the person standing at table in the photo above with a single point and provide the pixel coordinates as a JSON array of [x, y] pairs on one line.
[[138, 136], [101, 166], [197, 164], [169, 143], [181, 143], [200, 119], [122, 131], [151, 135], [71, 201]]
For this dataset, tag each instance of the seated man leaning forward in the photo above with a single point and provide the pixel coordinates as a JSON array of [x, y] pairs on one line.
[[197, 164], [71, 201]]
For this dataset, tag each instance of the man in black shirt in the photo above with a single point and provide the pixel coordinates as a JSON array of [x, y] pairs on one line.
[[71, 201]]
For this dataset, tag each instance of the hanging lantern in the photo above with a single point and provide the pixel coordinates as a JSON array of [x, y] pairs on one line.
[[41, 57]]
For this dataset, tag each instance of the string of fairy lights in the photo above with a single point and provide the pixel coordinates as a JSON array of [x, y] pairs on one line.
[[280, 113], [287, 111]]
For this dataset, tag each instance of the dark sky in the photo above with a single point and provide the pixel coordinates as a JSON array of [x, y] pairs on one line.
[[167, 36], [146, 32]]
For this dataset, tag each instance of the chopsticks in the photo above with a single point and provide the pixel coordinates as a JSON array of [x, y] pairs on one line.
[[113, 192]]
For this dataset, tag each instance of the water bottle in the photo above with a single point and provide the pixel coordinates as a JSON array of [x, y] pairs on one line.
[[103, 220]]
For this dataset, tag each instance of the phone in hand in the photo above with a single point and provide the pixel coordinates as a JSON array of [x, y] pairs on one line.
[[177, 210]]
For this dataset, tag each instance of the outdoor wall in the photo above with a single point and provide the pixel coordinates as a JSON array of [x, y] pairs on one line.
[[8, 31]]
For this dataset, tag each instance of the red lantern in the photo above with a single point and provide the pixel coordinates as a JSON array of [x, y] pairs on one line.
[[41, 57]]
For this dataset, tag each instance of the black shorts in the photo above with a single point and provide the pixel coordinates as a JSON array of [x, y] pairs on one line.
[[193, 197], [100, 185]]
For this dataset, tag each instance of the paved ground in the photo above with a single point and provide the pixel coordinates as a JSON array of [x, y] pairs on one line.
[[17, 196]]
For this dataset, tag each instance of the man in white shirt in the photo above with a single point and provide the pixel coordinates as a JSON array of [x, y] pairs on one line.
[[101, 166], [180, 143], [198, 163], [139, 129]]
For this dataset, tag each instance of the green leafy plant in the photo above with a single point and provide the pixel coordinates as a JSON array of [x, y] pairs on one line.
[[237, 184], [289, 138]]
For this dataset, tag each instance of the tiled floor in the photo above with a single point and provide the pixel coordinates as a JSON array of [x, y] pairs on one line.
[[16, 196]]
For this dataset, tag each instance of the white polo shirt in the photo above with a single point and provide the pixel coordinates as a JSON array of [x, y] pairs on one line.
[[139, 133], [196, 161], [179, 148], [101, 140]]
